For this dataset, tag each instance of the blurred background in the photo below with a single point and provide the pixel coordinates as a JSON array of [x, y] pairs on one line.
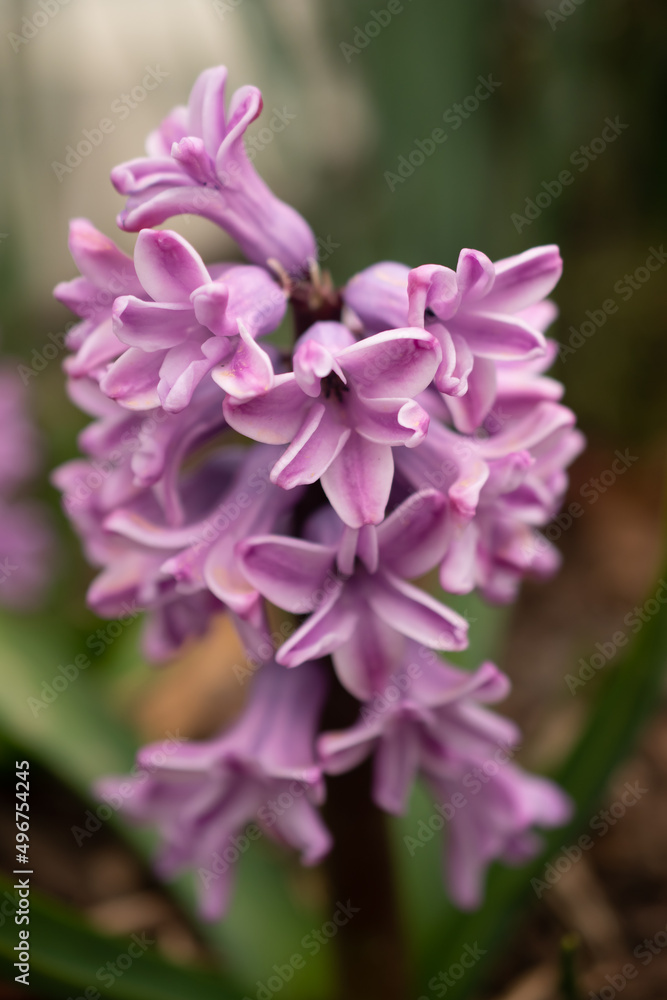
[[553, 112]]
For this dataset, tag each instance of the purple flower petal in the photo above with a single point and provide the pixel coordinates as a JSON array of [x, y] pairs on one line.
[[151, 326], [324, 631], [312, 451], [396, 363], [414, 538], [379, 296], [525, 279], [167, 266], [133, 379], [273, 418], [290, 572], [497, 336], [416, 614], [248, 373], [358, 481]]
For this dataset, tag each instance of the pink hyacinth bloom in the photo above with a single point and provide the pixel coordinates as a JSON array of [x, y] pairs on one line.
[[482, 313], [262, 771], [434, 725], [199, 554], [502, 487], [341, 410], [197, 163], [189, 321], [354, 586], [106, 272]]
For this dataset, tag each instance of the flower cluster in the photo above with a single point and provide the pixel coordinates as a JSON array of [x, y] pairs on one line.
[[26, 543], [410, 430]]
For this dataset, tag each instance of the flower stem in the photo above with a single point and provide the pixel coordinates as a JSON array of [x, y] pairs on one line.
[[371, 945]]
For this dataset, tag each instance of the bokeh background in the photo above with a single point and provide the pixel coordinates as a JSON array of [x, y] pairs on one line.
[[356, 104]]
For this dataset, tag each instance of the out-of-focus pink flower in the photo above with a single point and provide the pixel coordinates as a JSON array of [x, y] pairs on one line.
[[263, 771], [197, 163]]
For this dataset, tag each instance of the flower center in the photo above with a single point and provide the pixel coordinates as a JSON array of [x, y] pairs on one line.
[[333, 385]]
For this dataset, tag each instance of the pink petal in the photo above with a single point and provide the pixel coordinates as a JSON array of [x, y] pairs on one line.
[[497, 336], [168, 267], [99, 259], [396, 764], [414, 538], [100, 347], [152, 326], [398, 363], [474, 275], [458, 568], [386, 421], [325, 630], [469, 411], [245, 106], [248, 373], [206, 108], [457, 362], [416, 614], [432, 287], [525, 279], [273, 418], [133, 379], [342, 750], [290, 572], [366, 658], [379, 296], [210, 306], [358, 481], [317, 444]]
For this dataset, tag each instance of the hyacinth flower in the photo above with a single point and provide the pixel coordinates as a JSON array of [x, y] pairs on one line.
[[341, 410], [197, 163], [187, 322], [482, 313], [106, 273], [410, 430], [437, 727], [205, 793], [368, 600]]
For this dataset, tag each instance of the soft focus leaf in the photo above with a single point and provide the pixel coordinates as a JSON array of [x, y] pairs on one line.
[[67, 957], [621, 709]]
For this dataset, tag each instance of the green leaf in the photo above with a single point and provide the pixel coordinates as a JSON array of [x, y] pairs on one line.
[[67, 958], [78, 740], [621, 709]]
